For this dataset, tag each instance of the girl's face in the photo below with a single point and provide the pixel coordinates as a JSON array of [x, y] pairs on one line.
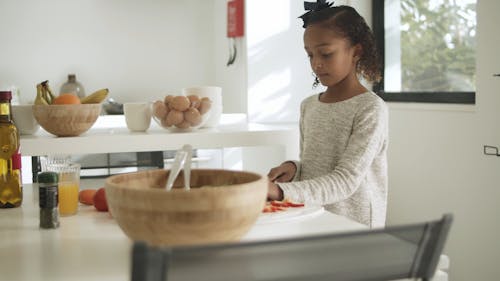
[[332, 57]]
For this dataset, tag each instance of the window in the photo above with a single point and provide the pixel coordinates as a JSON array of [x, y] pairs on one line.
[[428, 50]]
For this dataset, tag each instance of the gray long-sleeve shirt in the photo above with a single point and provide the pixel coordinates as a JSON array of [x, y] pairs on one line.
[[343, 158]]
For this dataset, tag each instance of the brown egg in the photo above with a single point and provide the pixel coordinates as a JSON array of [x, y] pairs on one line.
[[168, 99], [183, 125], [159, 109], [195, 101], [164, 123], [180, 103], [174, 117], [205, 105], [193, 116]]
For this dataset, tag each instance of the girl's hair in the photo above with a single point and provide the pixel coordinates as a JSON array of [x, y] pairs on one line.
[[346, 21]]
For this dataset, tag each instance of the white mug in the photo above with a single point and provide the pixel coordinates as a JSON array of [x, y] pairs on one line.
[[22, 115], [137, 116], [214, 93]]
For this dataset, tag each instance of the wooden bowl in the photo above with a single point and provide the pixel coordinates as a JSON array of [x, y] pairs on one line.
[[66, 120], [221, 206]]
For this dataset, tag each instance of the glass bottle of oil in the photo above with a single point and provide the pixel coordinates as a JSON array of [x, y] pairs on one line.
[[10, 184], [72, 86], [17, 177]]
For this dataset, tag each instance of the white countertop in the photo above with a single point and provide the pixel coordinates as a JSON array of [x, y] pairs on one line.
[[91, 246], [109, 135]]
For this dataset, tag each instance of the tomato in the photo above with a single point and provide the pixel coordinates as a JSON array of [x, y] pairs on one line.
[[100, 202], [275, 205], [275, 209], [267, 209], [286, 203]]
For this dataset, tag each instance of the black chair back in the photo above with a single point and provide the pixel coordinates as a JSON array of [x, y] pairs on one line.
[[395, 252]]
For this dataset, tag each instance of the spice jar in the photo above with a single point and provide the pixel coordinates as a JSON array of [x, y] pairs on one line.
[[49, 213]]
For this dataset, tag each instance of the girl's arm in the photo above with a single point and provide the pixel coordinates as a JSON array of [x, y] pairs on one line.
[[369, 136]]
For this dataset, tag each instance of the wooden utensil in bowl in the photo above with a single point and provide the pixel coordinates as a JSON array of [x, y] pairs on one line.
[[221, 206]]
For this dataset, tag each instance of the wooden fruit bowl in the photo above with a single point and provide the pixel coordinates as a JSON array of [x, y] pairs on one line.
[[221, 206], [66, 120]]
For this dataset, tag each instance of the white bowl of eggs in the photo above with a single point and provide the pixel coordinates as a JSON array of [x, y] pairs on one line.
[[179, 113]]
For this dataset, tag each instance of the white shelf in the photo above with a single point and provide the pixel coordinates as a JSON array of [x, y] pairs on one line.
[[110, 135]]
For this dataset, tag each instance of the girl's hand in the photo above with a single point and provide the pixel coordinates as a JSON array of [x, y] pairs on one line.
[[283, 173], [274, 192]]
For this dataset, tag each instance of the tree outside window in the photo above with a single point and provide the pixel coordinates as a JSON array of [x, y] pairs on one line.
[[429, 49]]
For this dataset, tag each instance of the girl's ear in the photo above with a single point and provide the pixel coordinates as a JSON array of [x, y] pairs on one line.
[[358, 52]]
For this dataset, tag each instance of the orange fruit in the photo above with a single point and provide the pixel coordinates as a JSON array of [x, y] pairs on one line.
[[86, 196], [66, 99]]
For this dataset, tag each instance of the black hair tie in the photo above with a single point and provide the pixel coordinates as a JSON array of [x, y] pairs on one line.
[[311, 7]]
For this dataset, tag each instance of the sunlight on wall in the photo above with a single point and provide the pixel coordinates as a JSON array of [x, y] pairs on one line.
[[269, 95], [276, 60], [279, 74], [232, 158], [258, 11]]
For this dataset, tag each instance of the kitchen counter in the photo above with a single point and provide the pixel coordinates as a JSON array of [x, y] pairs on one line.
[[91, 246], [110, 135]]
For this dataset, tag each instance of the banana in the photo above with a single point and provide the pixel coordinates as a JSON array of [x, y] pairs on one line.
[[48, 92], [44, 95], [40, 100], [96, 97]]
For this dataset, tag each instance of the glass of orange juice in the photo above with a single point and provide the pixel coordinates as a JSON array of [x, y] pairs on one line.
[[68, 187]]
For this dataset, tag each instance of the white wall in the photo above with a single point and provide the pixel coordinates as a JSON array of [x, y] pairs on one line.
[[279, 75], [436, 163], [140, 50], [233, 78]]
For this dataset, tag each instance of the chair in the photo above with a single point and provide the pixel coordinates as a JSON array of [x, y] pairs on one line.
[[395, 252]]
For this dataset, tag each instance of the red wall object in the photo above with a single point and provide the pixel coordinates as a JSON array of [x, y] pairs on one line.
[[235, 20]]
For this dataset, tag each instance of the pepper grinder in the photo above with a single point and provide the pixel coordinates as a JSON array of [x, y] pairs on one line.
[[72, 86]]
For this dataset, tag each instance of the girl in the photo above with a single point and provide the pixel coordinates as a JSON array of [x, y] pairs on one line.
[[344, 130]]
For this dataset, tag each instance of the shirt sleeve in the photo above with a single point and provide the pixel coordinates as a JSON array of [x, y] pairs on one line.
[[298, 164], [367, 139]]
